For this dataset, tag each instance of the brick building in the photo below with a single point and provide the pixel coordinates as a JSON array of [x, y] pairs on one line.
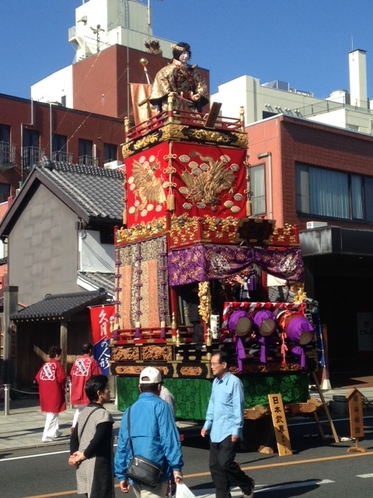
[[311, 174], [31, 130]]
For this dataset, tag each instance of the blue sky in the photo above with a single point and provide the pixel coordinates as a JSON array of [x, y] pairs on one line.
[[303, 42]]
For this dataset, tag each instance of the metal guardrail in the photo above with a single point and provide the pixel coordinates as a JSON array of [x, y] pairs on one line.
[[6, 388]]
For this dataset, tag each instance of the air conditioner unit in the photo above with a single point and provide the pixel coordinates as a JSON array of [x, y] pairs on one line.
[[316, 224], [113, 164]]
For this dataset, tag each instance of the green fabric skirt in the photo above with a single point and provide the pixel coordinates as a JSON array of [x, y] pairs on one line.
[[192, 395]]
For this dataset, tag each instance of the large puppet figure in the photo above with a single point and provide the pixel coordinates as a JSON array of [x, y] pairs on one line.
[[181, 80]]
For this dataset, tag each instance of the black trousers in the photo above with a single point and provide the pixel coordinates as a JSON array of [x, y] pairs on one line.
[[224, 469]]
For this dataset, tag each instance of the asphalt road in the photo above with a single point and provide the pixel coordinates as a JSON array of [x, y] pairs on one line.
[[317, 468]]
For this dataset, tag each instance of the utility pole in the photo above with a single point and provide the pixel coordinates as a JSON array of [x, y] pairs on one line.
[[96, 31]]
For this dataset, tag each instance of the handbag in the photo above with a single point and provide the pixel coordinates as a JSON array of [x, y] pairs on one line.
[[141, 470]]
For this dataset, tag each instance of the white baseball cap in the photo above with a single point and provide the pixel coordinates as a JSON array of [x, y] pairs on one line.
[[153, 376]]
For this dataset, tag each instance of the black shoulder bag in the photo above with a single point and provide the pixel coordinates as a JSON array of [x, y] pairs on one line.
[[141, 470]]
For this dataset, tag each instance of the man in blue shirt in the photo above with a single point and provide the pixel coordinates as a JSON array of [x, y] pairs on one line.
[[154, 436], [224, 423]]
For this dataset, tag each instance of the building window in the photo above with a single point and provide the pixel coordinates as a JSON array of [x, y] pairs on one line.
[[267, 114], [59, 148], [4, 133], [32, 154], [357, 199], [368, 198], [7, 150], [110, 153], [4, 192], [85, 152], [333, 194], [257, 187]]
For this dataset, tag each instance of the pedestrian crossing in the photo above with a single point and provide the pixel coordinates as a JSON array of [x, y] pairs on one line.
[[259, 488]]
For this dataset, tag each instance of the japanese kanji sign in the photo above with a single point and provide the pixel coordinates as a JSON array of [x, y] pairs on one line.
[[279, 424], [101, 318]]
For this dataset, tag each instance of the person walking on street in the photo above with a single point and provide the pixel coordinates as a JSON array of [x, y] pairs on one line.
[[83, 368], [51, 380], [167, 396], [224, 424], [154, 436], [91, 443]]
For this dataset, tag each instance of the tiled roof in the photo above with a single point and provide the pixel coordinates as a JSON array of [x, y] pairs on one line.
[[98, 279], [60, 306], [98, 191], [94, 194]]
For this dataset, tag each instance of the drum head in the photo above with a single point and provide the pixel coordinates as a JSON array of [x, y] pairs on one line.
[[244, 326], [267, 327], [306, 338], [300, 330]]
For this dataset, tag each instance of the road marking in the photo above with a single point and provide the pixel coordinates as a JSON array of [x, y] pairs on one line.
[[235, 492], [25, 457], [365, 476], [259, 488], [207, 474]]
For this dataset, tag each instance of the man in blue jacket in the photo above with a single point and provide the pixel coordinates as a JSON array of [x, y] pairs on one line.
[[154, 436], [224, 423]]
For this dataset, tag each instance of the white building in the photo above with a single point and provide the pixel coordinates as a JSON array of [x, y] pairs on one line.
[[347, 109], [100, 24]]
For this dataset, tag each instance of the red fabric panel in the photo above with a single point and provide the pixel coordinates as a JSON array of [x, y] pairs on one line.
[[149, 294], [126, 296], [205, 181], [100, 321], [210, 180]]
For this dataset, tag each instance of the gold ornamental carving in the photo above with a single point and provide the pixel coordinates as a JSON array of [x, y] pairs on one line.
[[173, 131], [159, 353], [177, 131], [141, 230], [191, 371], [125, 354], [133, 370], [204, 306]]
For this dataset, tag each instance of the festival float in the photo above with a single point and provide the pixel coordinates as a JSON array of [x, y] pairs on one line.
[[187, 234]]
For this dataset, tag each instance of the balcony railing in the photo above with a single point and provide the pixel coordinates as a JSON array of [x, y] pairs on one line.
[[7, 154], [31, 156], [62, 157], [89, 161]]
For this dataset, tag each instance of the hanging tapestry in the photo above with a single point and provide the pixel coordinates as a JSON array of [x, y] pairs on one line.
[[144, 285], [200, 263]]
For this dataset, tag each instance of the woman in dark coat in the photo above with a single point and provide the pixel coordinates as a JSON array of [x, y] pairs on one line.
[[91, 443]]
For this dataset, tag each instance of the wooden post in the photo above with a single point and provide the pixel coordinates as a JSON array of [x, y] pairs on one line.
[[355, 408], [279, 424], [325, 381], [335, 435], [63, 344]]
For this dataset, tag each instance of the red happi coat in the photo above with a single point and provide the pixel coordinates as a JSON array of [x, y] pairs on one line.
[[82, 369], [51, 379]]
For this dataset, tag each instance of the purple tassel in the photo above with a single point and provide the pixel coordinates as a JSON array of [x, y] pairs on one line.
[[241, 354], [299, 351]]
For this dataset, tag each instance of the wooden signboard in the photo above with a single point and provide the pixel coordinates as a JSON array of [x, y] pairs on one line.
[[355, 408], [279, 424]]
